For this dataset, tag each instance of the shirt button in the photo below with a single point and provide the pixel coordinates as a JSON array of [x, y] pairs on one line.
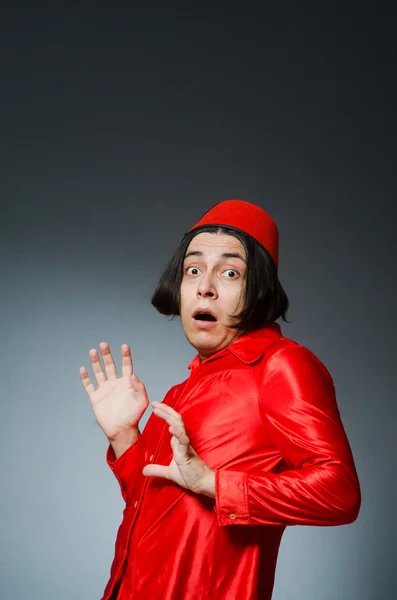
[[136, 503], [151, 457], [232, 516]]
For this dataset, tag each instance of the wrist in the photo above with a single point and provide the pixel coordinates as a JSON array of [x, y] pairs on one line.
[[124, 440], [208, 484]]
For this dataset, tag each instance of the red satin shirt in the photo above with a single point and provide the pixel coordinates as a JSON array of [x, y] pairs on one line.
[[262, 413]]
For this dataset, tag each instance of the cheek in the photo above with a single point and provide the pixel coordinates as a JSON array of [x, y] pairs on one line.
[[184, 297], [236, 298]]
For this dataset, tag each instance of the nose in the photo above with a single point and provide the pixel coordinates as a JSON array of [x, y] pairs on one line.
[[206, 286]]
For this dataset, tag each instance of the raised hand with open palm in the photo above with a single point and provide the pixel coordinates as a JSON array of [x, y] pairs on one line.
[[118, 402]]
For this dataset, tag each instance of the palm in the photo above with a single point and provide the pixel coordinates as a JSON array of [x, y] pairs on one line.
[[186, 467], [117, 406], [173, 474], [118, 402]]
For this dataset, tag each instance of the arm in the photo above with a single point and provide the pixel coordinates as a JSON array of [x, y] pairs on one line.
[[123, 441], [124, 465], [127, 465], [298, 407], [118, 404]]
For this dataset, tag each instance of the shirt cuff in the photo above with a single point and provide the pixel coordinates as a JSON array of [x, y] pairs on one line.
[[124, 466], [231, 498]]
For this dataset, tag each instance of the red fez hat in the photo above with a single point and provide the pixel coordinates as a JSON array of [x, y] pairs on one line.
[[247, 217]]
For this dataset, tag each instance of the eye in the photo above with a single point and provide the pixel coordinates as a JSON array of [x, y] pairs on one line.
[[192, 271], [231, 273]]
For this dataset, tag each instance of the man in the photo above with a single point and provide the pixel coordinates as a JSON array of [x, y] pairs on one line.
[[250, 442]]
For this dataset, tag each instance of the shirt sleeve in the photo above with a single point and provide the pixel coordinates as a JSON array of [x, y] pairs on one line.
[[299, 411], [125, 466], [129, 465]]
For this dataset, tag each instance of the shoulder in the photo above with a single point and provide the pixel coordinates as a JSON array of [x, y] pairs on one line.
[[172, 392], [288, 358]]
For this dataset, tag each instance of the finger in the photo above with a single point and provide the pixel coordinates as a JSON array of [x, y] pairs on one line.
[[170, 419], [137, 385], [108, 361], [156, 471], [181, 447], [167, 409], [96, 366], [86, 381], [126, 361], [179, 436]]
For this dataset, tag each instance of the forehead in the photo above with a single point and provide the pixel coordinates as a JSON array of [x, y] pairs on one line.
[[214, 244]]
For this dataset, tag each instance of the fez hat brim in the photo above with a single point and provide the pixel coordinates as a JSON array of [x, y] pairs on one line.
[[247, 217]]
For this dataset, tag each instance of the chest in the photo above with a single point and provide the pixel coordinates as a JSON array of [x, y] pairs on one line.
[[221, 415]]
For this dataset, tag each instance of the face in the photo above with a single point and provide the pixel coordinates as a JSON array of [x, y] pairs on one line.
[[213, 287]]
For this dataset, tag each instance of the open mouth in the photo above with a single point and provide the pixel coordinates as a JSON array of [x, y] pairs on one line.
[[204, 316]]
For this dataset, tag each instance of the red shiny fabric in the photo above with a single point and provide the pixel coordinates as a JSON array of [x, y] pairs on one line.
[[262, 413], [246, 217]]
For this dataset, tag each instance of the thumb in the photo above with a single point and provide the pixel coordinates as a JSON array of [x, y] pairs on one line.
[[155, 471], [136, 383]]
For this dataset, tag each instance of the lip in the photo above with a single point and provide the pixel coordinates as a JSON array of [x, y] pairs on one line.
[[204, 310], [205, 324]]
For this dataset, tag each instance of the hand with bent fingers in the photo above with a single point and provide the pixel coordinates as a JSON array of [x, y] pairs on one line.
[[186, 468], [118, 402]]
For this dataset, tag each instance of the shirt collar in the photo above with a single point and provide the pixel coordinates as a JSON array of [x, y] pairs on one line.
[[249, 347]]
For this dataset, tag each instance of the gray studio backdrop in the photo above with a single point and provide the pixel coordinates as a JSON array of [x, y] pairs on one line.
[[119, 129], [74, 276]]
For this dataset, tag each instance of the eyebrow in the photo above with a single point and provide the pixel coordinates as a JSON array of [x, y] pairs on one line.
[[224, 255]]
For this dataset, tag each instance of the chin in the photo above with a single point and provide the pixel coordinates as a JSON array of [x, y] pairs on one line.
[[203, 339], [206, 344]]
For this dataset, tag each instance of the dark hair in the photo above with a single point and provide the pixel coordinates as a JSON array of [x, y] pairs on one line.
[[265, 299]]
